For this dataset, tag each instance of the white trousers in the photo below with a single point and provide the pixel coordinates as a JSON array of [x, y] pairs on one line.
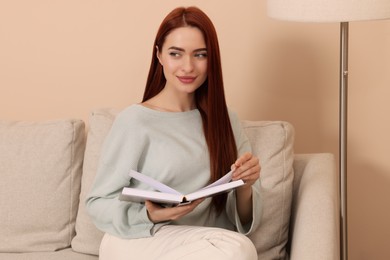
[[180, 242]]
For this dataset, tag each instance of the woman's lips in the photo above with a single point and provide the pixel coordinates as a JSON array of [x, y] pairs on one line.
[[186, 79]]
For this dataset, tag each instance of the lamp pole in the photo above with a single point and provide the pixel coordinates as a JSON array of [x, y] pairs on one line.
[[344, 28]]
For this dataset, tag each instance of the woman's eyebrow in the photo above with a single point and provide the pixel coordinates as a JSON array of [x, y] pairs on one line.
[[200, 49], [183, 50], [176, 48]]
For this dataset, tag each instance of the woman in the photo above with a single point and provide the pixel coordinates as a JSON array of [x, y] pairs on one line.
[[183, 135]]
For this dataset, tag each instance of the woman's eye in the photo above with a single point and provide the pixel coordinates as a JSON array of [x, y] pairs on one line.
[[201, 55], [174, 54]]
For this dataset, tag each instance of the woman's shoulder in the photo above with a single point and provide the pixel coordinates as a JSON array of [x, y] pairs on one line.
[[138, 111], [234, 119], [131, 115], [130, 110]]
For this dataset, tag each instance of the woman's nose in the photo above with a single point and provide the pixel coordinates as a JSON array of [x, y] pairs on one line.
[[187, 65]]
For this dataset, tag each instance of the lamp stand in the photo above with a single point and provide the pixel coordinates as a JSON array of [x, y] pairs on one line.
[[344, 28]]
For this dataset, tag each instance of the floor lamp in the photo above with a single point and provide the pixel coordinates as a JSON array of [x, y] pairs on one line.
[[343, 12]]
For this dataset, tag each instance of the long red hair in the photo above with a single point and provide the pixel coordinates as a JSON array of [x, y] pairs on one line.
[[209, 98]]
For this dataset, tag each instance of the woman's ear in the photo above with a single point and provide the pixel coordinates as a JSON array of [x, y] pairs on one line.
[[158, 55]]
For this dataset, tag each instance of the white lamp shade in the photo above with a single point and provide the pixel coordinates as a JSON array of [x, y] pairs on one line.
[[328, 10]]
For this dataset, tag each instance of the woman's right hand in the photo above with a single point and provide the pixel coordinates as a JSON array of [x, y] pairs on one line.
[[157, 213]]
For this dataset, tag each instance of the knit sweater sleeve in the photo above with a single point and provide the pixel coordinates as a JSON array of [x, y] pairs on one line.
[[243, 146], [120, 152]]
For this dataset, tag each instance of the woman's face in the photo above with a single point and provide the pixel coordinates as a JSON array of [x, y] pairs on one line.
[[184, 59]]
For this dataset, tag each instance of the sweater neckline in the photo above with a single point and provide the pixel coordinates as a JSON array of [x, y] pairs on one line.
[[166, 114]]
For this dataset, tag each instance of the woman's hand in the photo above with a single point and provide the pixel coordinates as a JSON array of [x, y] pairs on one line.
[[157, 213], [246, 168]]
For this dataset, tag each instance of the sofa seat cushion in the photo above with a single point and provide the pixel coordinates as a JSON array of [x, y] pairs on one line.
[[40, 168], [65, 254]]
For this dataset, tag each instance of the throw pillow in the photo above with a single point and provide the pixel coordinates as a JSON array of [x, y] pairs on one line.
[[88, 237], [272, 142], [40, 167]]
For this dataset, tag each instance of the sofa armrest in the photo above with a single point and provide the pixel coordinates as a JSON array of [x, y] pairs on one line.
[[314, 227]]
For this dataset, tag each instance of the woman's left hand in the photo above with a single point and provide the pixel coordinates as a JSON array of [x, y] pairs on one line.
[[247, 168]]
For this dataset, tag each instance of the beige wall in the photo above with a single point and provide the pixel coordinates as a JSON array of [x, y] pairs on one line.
[[64, 58]]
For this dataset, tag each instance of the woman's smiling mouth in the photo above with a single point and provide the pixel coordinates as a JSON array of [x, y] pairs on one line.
[[186, 79]]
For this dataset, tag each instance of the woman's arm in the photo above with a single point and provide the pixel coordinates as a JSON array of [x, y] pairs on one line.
[[246, 168]]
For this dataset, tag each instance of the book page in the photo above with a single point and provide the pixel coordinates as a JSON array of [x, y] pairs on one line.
[[224, 179], [207, 192], [137, 195], [153, 183]]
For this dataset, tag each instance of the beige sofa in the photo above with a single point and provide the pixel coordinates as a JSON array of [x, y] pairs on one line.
[[47, 168]]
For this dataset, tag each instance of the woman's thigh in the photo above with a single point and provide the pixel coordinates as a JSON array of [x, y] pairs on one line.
[[180, 242]]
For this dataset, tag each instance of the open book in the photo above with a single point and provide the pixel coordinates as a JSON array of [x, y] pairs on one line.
[[166, 195]]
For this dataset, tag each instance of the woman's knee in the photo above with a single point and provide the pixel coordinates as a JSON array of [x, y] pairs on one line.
[[234, 245]]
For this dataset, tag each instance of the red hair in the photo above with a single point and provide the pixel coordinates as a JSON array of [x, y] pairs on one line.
[[209, 98]]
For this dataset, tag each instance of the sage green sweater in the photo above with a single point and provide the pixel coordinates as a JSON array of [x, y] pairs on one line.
[[171, 148]]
